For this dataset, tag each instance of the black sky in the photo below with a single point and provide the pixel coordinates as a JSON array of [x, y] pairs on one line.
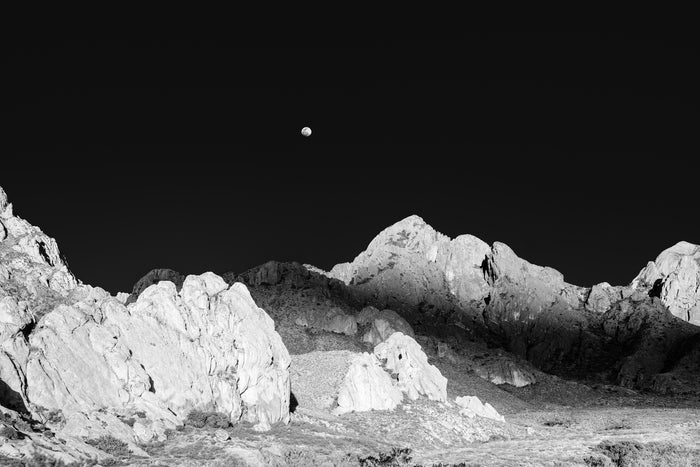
[[575, 149]]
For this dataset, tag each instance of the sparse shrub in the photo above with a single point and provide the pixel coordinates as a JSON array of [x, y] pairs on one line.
[[619, 426], [9, 433], [129, 421], [37, 460], [200, 419], [299, 458], [398, 457], [597, 461], [562, 422], [110, 445]]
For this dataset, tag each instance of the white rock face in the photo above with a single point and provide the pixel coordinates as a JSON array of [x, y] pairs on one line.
[[675, 274], [75, 349], [384, 324], [472, 407], [411, 252], [367, 387], [412, 265], [404, 357], [208, 347]]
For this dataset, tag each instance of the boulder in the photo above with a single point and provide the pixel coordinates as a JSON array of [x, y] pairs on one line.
[[473, 407], [404, 357], [367, 386]]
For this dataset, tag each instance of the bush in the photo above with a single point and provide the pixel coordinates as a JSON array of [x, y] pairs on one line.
[[398, 457], [110, 445], [200, 419], [632, 453]]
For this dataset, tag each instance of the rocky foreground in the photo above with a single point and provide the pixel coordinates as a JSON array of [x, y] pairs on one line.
[[422, 341]]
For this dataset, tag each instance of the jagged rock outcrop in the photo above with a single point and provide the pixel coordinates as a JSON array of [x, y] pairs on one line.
[[674, 277], [82, 362], [30, 261], [382, 325], [367, 387], [404, 357], [153, 277], [207, 347], [472, 406]]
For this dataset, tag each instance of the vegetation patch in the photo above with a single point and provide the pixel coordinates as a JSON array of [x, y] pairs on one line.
[[39, 460], [200, 419], [110, 445], [398, 457], [632, 454]]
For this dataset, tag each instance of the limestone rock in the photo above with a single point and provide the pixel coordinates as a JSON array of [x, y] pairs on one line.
[[602, 296], [472, 406], [207, 347], [405, 358], [367, 387], [675, 278], [122, 297], [331, 320], [153, 277], [503, 370], [383, 324]]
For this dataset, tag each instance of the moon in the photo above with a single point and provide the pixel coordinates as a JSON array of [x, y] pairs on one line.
[[306, 131]]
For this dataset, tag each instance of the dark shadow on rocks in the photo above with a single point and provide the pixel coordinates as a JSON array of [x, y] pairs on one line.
[[12, 399], [293, 403]]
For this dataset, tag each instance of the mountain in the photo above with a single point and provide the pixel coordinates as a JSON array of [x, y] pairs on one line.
[[465, 288]]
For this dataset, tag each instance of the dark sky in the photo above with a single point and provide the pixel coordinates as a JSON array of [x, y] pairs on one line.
[[575, 149]]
